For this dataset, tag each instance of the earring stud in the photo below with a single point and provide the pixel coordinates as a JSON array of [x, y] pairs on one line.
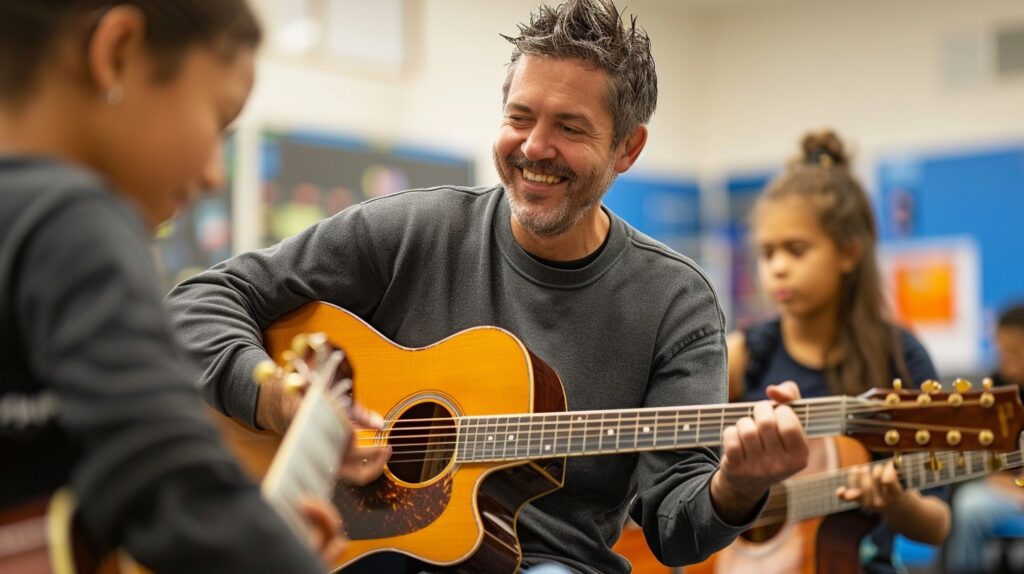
[[115, 95]]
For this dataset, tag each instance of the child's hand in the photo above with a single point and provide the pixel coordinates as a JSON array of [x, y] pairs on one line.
[[876, 488]]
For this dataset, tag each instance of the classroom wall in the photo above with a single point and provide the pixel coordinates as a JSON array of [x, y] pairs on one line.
[[449, 98], [889, 74], [740, 81]]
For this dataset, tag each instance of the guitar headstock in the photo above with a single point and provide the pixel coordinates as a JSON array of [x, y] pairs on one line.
[[311, 361], [898, 419]]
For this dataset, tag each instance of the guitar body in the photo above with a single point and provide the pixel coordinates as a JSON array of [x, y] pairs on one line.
[[41, 538], [812, 546], [456, 516]]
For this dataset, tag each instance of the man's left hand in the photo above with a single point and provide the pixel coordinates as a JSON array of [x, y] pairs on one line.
[[758, 452]]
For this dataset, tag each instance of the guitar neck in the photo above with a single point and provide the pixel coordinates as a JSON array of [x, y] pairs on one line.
[[307, 461], [815, 496], [585, 433]]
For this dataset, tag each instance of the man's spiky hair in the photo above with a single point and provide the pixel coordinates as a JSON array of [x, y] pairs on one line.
[[593, 31]]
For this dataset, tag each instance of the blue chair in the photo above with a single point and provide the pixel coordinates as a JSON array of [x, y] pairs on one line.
[[913, 554], [1008, 533]]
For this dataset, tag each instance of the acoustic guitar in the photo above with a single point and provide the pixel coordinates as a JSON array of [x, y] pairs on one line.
[[464, 462], [804, 514], [42, 537]]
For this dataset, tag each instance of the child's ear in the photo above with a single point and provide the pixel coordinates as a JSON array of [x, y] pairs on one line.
[[850, 256], [114, 47]]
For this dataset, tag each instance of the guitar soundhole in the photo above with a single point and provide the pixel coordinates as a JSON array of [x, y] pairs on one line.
[[422, 442]]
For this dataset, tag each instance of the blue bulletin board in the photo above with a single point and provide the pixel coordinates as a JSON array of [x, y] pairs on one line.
[[978, 194], [746, 304], [666, 209]]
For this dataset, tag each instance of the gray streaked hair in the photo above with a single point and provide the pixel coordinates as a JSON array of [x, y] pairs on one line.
[[593, 31]]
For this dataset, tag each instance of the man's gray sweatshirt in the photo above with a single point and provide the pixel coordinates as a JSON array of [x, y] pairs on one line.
[[639, 326]]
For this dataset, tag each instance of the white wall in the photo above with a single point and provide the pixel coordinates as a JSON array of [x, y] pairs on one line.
[[450, 96], [739, 80], [874, 69]]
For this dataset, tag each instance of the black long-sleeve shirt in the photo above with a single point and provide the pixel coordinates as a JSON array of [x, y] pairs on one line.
[[95, 394]]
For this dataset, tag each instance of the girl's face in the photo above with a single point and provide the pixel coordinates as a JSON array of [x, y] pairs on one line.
[[799, 265], [160, 144]]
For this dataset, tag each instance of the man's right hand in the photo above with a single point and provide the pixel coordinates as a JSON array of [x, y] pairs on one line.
[[360, 465]]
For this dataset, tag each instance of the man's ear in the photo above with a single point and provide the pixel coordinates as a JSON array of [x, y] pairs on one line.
[[114, 48], [629, 149]]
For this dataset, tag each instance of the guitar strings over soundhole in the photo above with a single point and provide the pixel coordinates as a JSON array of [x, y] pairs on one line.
[[423, 442]]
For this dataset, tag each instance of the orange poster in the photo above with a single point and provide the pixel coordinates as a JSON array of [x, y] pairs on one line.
[[925, 290]]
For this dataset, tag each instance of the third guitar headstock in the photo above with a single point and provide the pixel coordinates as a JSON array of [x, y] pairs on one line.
[[931, 418]]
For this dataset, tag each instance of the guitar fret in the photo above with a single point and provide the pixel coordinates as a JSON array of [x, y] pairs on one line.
[[563, 426], [593, 440], [618, 433]]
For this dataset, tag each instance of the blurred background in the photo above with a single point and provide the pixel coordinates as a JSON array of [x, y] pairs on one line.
[[356, 99]]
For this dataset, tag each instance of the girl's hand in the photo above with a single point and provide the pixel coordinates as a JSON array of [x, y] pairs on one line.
[[326, 538], [876, 488]]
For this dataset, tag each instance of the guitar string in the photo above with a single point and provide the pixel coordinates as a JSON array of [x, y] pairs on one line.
[[491, 454], [570, 430], [668, 416], [817, 496]]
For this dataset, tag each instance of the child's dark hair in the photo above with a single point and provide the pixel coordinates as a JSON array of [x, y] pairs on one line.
[[1012, 318], [29, 30], [867, 347]]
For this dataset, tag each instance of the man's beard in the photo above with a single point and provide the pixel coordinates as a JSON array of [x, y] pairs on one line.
[[582, 194]]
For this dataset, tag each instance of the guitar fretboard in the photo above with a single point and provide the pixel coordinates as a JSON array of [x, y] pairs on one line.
[[814, 496], [306, 463], [542, 435]]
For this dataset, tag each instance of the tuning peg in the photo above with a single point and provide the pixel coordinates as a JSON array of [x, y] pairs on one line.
[[962, 385], [289, 361], [986, 383], [265, 372], [892, 437], [300, 344], [953, 437], [1018, 479], [931, 387], [294, 383], [897, 385], [985, 437], [922, 437], [317, 341]]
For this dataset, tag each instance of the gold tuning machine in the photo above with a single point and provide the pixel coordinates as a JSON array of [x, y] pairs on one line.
[[300, 344], [1018, 479], [931, 387], [317, 341], [953, 437], [962, 385], [893, 398], [265, 372], [986, 383], [892, 437], [922, 437], [294, 383]]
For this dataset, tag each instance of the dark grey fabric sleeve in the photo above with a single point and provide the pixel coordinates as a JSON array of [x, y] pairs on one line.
[[219, 315], [153, 475], [673, 504]]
